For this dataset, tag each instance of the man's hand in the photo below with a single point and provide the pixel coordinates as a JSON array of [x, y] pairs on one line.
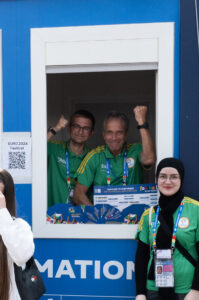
[[140, 114], [62, 123], [148, 156], [2, 200], [80, 197]]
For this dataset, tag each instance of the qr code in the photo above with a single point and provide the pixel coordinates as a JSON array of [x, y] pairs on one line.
[[16, 160]]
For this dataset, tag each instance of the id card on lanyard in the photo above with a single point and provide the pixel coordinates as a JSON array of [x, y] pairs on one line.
[[163, 259], [164, 271], [125, 170], [70, 190]]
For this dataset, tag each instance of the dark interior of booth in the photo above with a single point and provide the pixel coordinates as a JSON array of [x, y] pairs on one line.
[[101, 92]]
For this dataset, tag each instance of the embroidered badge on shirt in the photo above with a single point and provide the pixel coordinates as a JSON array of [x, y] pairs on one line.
[[130, 162], [183, 223], [103, 166], [61, 160]]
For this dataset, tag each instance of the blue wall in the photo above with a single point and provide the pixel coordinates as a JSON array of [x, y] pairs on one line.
[[189, 95], [16, 19]]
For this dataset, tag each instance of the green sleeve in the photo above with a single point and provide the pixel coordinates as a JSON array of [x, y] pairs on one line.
[[51, 147], [143, 228], [86, 172]]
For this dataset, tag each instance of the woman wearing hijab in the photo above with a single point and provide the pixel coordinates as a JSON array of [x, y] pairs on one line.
[[168, 240], [16, 239]]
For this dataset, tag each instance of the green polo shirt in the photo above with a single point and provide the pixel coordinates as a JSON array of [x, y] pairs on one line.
[[93, 168], [58, 191], [187, 235]]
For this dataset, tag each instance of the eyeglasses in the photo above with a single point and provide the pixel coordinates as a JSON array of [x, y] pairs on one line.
[[172, 177], [77, 127]]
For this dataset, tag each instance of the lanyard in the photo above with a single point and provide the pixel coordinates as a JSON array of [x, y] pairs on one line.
[[68, 171], [125, 170], [173, 241]]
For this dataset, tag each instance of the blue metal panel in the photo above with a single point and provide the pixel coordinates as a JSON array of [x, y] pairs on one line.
[[16, 19], [189, 121], [105, 251], [23, 194]]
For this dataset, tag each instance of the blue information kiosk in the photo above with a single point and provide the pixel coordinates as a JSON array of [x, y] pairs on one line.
[[52, 55]]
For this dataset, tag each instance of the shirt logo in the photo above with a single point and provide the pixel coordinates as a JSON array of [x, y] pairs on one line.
[[183, 223], [103, 166], [152, 224], [130, 162], [61, 160]]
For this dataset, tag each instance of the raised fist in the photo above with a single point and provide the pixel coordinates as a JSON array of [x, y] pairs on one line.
[[140, 114], [62, 123]]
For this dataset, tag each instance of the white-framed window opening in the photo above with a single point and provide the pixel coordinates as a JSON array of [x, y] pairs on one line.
[[96, 49]]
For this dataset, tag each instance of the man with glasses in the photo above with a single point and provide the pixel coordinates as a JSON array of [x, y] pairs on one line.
[[116, 163], [65, 157]]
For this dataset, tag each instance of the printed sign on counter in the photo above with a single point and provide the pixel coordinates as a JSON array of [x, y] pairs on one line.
[[123, 196], [112, 205]]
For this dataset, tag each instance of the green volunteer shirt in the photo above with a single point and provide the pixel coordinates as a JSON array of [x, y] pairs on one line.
[[187, 235], [93, 168], [58, 191]]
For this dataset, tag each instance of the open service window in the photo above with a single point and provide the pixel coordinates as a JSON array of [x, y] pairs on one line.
[[97, 68]]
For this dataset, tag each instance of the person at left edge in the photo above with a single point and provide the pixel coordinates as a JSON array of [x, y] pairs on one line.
[[65, 157], [16, 239]]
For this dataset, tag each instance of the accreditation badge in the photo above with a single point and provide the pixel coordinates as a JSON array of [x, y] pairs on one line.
[[164, 276], [130, 162]]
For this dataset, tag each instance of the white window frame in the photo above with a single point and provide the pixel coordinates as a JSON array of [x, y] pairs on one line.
[[94, 48]]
